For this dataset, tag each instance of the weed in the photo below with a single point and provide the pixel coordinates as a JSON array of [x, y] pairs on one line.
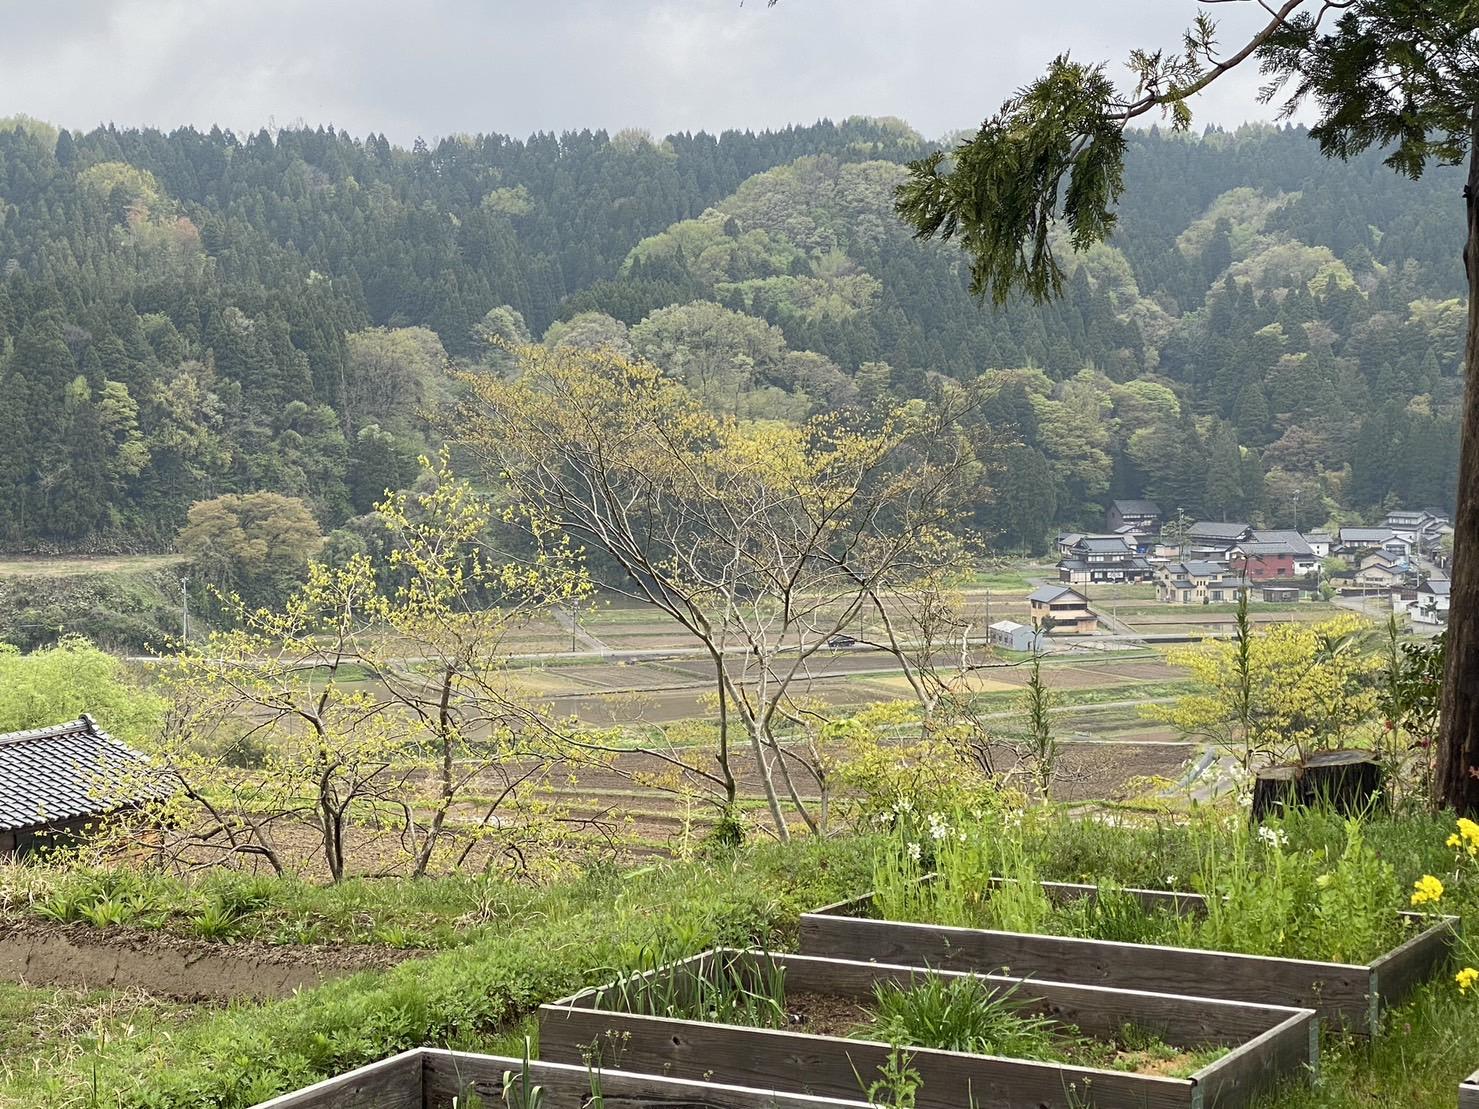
[[964, 1014], [729, 988]]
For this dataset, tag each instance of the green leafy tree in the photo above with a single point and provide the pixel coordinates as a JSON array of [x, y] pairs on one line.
[[1402, 75], [255, 544], [60, 683]]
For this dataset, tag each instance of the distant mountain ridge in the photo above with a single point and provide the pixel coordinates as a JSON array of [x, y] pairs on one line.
[[189, 314]]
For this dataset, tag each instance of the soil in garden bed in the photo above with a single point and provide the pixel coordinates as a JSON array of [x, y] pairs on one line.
[[1134, 1050]]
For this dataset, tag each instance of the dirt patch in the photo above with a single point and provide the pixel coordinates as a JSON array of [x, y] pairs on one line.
[[823, 1014], [74, 955]]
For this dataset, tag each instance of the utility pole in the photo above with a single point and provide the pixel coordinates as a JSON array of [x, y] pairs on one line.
[[1296, 508], [184, 609]]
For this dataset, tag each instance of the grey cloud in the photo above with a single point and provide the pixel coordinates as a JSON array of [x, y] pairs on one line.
[[436, 67]]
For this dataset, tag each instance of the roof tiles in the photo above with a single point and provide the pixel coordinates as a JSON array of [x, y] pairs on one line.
[[68, 771]]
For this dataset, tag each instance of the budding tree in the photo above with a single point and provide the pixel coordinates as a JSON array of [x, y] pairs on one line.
[[763, 539]]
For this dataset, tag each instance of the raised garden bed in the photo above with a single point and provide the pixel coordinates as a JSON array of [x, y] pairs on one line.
[[427, 1078], [1262, 1043], [1345, 994], [1468, 1092]]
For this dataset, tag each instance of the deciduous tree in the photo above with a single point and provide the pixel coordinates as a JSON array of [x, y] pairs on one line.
[[763, 539]]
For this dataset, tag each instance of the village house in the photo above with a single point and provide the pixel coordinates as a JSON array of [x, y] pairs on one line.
[[1012, 636], [1377, 574], [1197, 582], [1272, 555], [1144, 542], [56, 783], [1431, 605], [1103, 558], [1422, 529], [1210, 539], [1143, 517], [1319, 543], [1060, 610], [1359, 541], [1065, 541]]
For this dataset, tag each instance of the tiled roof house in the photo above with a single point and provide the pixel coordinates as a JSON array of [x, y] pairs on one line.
[[55, 781]]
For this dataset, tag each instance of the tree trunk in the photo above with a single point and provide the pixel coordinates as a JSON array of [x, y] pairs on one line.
[[1458, 741]]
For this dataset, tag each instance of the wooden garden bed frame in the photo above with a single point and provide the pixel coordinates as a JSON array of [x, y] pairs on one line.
[[428, 1078], [1468, 1092], [1347, 995], [1268, 1043]]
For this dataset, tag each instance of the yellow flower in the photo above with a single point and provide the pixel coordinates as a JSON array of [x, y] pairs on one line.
[[1466, 978], [1427, 890], [1467, 837]]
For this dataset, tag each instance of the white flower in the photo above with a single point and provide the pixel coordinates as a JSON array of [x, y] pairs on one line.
[[939, 831], [915, 851], [903, 804], [1274, 837]]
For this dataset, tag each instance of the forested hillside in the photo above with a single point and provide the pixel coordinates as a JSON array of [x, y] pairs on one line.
[[190, 315]]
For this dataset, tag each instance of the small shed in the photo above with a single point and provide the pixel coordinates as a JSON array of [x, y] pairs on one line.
[[1013, 636], [1280, 594], [57, 782]]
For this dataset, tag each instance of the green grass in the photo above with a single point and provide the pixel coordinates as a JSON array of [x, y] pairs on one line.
[[477, 997], [46, 1033], [549, 941], [1070, 698], [1009, 580], [432, 913]]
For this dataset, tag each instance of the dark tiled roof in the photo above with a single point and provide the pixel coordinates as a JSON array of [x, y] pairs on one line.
[[68, 771], [1253, 547], [1211, 529], [1290, 541], [1137, 508], [1047, 594], [1439, 587], [1104, 544], [1196, 568]]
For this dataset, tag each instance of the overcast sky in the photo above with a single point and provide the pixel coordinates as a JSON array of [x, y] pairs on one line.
[[436, 67]]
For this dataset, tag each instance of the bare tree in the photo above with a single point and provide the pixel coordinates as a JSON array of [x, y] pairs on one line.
[[764, 540]]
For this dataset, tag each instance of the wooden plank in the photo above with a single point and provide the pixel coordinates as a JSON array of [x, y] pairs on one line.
[[827, 1066], [1468, 1092], [1289, 1051], [1346, 995], [1097, 1010], [1267, 1042], [1185, 904], [1338, 992], [393, 1083], [452, 1074], [1397, 973]]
